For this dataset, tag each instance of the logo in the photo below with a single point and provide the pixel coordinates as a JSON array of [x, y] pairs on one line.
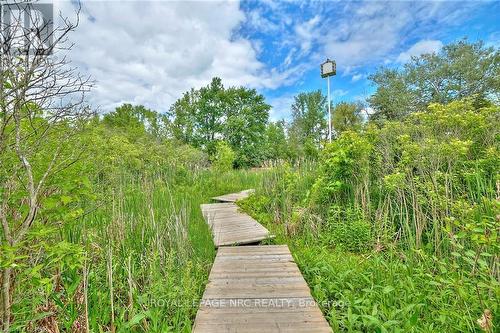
[[26, 27]]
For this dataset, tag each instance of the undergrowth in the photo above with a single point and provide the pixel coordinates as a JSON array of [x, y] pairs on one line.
[[396, 228]]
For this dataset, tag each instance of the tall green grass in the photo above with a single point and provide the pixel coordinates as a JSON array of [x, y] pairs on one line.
[[139, 256], [400, 222], [380, 289]]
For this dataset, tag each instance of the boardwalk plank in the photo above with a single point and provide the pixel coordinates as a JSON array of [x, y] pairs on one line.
[[262, 328], [233, 197], [231, 227], [257, 289], [248, 318], [252, 288]]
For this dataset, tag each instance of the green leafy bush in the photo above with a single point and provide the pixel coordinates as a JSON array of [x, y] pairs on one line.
[[224, 157], [399, 222], [407, 175], [348, 229], [344, 166]]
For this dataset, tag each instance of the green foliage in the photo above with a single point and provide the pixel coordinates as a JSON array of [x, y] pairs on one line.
[[124, 201], [346, 116], [309, 124], [344, 165], [135, 121], [236, 115], [396, 228], [348, 229], [276, 147], [245, 126], [396, 292], [397, 221], [405, 174], [224, 158], [459, 70], [380, 288]]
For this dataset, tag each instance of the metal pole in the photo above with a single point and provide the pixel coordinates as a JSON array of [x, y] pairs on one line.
[[329, 113]]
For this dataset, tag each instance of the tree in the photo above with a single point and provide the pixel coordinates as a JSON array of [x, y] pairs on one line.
[[346, 116], [247, 115], [393, 98], [209, 115], [459, 70], [276, 141], [199, 114], [137, 120], [308, 120], [183, 122], [40, 112], [237, 115], [224, 157]]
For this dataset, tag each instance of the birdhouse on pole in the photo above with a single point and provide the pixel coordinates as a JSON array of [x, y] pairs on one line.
[[328, 68]]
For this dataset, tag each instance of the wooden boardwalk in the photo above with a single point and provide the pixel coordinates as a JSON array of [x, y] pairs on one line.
[[230, 227], [257, 289], [233, 197]]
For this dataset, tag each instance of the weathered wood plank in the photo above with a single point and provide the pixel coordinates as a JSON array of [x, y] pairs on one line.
[[252, 288], [231, 227], [288, 306], [262, 328], [257, 289], [243, 241], [248, 318], [233, 197]]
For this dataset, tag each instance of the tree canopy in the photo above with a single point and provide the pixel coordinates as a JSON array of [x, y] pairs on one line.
[[459, 70], [236, 115], [308, 125], [346, 116]]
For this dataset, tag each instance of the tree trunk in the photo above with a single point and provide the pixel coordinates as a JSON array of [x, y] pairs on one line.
[[6, 274]]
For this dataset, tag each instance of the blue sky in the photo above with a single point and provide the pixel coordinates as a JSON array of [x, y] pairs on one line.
[[149, 52], [361, 36]]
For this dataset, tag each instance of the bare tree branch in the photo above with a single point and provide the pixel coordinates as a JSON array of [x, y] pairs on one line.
[[40, 94]]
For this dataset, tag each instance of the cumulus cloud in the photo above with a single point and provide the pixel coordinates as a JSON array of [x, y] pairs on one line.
[[370, 33], [337, 93], [259, 22], [419, 48], [366, 33], [367, 112], [150, 53]]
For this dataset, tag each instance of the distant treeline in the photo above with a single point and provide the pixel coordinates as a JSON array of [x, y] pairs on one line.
[[239, 116]]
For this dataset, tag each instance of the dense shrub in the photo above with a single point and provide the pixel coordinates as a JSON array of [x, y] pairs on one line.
[[224, 157], [348, 229], [399, 223], [414, 180]]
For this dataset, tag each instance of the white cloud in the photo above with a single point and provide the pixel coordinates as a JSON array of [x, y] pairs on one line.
[[365, 33], [371, 33], [367, 112], [493, 39], [306, 33], [357, 77], [280, 107], [257, 20], [419, 48], [337, 93], [289, 57], [151, 53]]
